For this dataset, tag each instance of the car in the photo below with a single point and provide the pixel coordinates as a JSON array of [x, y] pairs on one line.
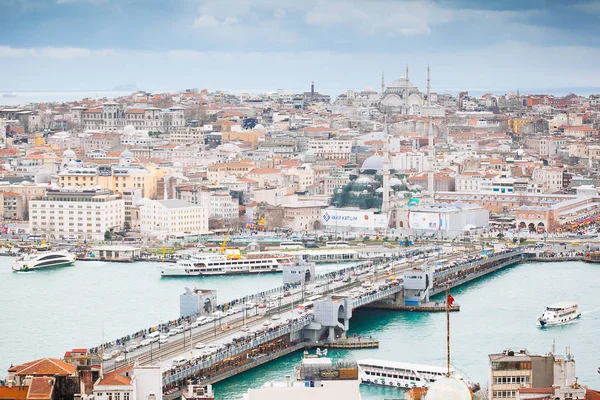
[[245, 328], [272, 304], [200, 345], [267, 323], [229, 312], [202, 320], [106, 356], [250, 305], [163, 336], [145, 342], [116, 353], [276, 316], [173, 332], [120, 359], [209, 319], [287, 294], [262, 305], [195, 324]]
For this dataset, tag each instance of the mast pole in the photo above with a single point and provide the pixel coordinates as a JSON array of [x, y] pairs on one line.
[[448, 327]]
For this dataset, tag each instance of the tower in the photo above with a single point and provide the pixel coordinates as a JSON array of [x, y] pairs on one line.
[[428, 86], [431, 159], [312, 89], [385, 205], [382, 83], [406, 94]]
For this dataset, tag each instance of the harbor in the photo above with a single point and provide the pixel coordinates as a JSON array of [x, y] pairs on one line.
[[357, 312]]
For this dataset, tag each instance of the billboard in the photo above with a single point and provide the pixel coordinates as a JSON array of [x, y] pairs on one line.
[[425, 220], [356, 219]]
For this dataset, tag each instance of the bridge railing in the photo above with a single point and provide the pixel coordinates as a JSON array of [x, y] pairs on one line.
[[184, 373], [474, 263], [375, 296]]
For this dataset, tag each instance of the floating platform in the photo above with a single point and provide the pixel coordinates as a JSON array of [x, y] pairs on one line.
[[349, 343], [428, 307]]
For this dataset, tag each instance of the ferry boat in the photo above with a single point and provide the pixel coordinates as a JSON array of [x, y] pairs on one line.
[[39, 259], [560, 313], [398, 374], [221, 264]]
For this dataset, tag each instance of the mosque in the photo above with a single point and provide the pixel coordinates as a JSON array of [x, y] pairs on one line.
[[402, 97]]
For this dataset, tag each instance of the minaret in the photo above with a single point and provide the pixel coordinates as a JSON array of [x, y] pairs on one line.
[[431, 159], [406, 92], [428, 86], [385, 205], [406, 75], [382, 83]]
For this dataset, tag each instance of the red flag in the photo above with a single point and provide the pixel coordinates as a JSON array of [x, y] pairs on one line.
[[450, 299]]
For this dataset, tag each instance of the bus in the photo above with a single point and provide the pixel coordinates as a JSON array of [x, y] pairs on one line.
[[291, 245], [338, 243]]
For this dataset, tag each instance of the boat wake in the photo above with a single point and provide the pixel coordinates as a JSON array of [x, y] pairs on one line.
[[25, 272]]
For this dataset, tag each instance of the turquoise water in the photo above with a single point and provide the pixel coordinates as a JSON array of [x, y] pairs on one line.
[[47, 312]]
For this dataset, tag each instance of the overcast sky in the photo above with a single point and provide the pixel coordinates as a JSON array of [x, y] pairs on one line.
[[253, 45]]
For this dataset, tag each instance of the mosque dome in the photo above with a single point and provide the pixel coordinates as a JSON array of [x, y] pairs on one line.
[[69, 154], [177, 164], [401, 83], [374, 162], [129, 130], [259, 127], [449, 388], [395, 182], [309, 152], [73, 164], [364, 179], [126, 154]]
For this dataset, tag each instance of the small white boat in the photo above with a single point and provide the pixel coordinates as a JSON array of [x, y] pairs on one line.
[[560, 313], [43, 259]]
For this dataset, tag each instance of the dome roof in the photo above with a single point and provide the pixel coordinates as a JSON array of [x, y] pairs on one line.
[[374, 162], [309, 152], [401, 83], [395, 181], [73, 164], [449, 388], [129, 130], [69, 154], [177, 164], [364, 179], [259, 127], [127, 154]]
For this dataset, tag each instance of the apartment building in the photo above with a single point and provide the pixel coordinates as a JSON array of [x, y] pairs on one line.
[[512, 371], [77, 212], [331, 149], [469, 182], [551, 177], [163, 218]]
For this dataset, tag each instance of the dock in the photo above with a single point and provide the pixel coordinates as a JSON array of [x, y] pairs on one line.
[[349, 343], [424, 307]]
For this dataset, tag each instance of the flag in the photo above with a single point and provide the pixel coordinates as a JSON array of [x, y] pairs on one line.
[[450, 300]]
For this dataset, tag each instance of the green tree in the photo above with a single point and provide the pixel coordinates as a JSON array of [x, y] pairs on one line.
[[107, 235], [127, 226]]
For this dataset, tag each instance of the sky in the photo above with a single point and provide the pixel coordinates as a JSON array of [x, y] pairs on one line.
[[261, 45]]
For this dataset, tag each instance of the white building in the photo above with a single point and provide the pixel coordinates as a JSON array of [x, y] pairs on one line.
[[551, 177], [163, 218], [448, 220], [331, 149], [130, 383], [469, 182], [84, 213], [315, 379], [407, 161]]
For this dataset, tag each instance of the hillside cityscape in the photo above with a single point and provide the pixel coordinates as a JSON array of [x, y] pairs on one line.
[[313, 200]]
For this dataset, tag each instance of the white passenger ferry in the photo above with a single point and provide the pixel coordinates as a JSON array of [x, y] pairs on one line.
[[221, 264], [398, 374], [43, 259], [560, 313]]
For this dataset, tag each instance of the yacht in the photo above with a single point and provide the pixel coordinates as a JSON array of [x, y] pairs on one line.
[[560, 313], [222, 264], [43, 259], [398, 374]]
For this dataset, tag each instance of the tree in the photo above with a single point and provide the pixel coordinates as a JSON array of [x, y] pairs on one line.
[[127, 226], [107, 235]]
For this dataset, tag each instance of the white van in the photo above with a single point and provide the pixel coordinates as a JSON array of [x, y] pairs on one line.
[[153, 337], [179, 361]]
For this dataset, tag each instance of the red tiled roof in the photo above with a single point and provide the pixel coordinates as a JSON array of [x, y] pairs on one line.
[[44, 367], [40, 388], [13, 393], [592, 395], [117, 377]]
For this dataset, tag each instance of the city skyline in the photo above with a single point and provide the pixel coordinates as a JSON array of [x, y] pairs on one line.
[[238, 45]]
